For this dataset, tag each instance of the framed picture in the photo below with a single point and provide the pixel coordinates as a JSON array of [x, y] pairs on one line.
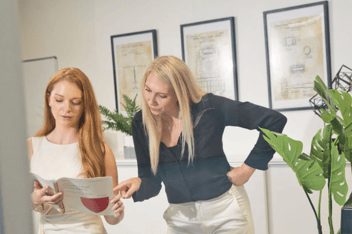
[[131, 54], [208, 48], [297, 50]]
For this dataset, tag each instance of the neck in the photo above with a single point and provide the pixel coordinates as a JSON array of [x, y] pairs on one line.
[[170, 122], [63, 135]]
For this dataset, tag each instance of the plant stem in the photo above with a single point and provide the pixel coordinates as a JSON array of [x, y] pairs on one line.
[[330, 211], [315, 213], [329, 190], [319, 204]]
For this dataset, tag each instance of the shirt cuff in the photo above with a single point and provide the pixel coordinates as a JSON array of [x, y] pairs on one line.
[[259, 159]]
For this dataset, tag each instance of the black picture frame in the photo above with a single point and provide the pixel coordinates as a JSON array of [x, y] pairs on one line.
[[297, 44], [209, 49], [131, 54]]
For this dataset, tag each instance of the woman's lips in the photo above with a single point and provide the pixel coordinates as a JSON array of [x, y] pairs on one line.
[[67, 117]]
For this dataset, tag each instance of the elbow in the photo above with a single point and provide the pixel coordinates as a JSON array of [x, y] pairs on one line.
[[112, 220], [281, 121]]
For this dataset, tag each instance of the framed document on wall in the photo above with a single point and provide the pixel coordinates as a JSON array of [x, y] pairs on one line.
[[297, 50], [131, 54], [208, 48]]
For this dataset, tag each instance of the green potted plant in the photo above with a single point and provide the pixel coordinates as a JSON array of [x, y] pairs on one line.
[[118, 122], [324, 165]]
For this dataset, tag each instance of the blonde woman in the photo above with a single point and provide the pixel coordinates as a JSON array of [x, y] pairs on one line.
[[178, 141], [70, 145]]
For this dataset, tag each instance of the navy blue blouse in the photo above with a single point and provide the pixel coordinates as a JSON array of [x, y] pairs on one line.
[[206, 177]]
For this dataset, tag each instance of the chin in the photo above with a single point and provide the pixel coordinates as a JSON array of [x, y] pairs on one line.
[[67, 124], [155, 113]]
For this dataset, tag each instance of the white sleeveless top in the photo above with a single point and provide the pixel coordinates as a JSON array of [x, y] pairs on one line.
[[53, 161]]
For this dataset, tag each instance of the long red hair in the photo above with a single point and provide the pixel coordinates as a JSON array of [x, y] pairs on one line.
[[90, 128]]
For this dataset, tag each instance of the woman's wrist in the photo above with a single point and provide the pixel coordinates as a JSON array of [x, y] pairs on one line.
[[35, 201], [38, 207], [139, 180], [248, 169]]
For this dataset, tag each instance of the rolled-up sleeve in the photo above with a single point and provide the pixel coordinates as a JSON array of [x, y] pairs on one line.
[[250, 116], [151, 184]]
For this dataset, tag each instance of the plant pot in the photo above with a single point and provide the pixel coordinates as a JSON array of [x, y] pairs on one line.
[[346, 217], [128, 148]]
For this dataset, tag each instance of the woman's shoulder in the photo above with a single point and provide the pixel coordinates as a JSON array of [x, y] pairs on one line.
[[210, 100], [32, 145], [137, 122], [35, 140], [138, 118]]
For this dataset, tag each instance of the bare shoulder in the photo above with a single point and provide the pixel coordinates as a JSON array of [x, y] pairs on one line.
[[107, 149], [109, 155], [30, 148], [110, 165]]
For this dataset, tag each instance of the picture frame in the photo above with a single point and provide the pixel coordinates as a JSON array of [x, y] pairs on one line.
[[297, 47], [209, 50], [131, 54]]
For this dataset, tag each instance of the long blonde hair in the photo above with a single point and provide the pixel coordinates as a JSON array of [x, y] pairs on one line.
[[90, 134], [174, 72]]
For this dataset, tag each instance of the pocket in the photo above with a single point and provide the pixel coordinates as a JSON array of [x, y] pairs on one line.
[[167, 213], [240, 195], [237, 209]]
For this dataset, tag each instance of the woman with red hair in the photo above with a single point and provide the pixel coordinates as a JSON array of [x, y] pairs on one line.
[[70, 144]]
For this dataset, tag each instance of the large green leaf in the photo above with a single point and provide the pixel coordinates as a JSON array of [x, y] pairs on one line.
[[308, 173], [320, 148], [347, 148], [338, 185], [323, 92], [343, 102]]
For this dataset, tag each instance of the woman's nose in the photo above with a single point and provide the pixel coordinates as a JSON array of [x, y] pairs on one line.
[[151, 100], [68, 107]]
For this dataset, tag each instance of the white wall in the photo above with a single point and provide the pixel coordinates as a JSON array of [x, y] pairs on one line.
[[78, 33], [15, 215]]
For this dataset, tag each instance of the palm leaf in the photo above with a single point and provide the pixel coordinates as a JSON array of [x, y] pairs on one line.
[[130, 106], [338, 185], [118, 122], [309, 174]]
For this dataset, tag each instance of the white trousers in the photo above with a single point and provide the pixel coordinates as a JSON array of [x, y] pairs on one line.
[[228, 213]]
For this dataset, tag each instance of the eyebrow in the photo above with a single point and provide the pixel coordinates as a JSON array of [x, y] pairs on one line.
[[63, 96], [157, 92]]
